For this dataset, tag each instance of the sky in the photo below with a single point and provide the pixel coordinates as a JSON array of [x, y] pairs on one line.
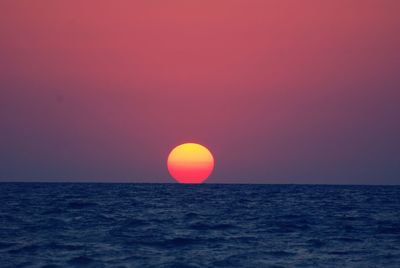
[[279, 91]]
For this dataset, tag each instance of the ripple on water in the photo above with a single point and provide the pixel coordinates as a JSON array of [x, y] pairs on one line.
[[156, 225]]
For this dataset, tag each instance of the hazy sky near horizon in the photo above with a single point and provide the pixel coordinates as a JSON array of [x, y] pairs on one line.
[[280, 91]]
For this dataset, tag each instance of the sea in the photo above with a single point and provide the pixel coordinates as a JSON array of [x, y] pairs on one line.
[[210, 225]]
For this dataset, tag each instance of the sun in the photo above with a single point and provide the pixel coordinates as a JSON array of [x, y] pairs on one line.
[[190, 163]]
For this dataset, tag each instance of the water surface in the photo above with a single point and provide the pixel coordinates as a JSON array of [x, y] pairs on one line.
[[170, 225]]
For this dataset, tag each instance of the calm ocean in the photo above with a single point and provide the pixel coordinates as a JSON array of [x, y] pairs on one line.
[[171, 225]]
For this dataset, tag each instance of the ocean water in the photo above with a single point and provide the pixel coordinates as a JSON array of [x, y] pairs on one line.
[[171, 225]]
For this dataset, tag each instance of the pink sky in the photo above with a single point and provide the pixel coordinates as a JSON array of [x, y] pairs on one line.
[[280, 91]]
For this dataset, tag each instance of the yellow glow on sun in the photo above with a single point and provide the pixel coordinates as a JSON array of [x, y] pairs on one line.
[[190, 163]]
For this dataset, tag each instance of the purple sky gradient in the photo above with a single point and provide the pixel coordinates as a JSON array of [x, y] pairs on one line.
[[279, 91]]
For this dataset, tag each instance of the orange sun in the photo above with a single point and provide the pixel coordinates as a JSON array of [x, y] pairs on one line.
[[190, 163]]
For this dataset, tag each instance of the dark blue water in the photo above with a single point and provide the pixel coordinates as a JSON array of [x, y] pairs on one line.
[[168, 225]]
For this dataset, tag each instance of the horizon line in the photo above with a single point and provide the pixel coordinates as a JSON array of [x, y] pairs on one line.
[[209, 183]]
